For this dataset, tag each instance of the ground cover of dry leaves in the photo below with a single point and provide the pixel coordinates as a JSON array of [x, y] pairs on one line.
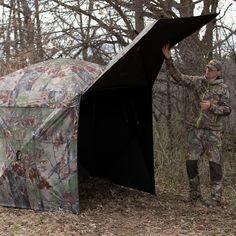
[[108, 209]]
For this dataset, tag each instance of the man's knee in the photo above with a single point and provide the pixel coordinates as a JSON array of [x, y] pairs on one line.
[[192, 168], [215, 171]]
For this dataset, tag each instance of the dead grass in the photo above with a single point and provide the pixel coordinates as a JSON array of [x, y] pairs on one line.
[[108, 209]]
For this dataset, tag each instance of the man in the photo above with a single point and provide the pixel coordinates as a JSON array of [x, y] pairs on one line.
[[205, 125]]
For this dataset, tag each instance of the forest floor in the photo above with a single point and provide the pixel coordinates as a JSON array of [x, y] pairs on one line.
[[108, 209]]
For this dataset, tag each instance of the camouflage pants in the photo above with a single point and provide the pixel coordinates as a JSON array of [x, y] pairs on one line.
[[209, 142]]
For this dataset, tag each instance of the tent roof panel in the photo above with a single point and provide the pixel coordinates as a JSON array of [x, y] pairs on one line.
[[51, 83], [139, 63]]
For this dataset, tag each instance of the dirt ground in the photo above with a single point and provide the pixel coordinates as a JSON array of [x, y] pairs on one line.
[[108, 209]]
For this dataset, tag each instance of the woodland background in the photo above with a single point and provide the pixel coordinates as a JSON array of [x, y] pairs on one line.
[[36, 30]]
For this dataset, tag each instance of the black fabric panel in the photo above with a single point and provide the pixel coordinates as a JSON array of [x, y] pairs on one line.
[[115, 136], [192, 168], [142, 62], [216, 173]]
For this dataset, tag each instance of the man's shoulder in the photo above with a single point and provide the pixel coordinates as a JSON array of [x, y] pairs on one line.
[[222, 88], [223, 85]]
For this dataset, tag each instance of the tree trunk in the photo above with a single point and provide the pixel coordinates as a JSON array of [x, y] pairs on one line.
[[139, 21], [40, 52]]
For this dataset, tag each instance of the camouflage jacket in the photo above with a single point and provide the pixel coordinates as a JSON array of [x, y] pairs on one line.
[[215, 91]]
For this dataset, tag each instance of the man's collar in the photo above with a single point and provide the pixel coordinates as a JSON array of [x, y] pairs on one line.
[[214, 82]]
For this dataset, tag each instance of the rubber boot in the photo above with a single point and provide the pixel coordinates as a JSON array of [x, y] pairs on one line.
[[194, 181], [216, 183], [194, 189]]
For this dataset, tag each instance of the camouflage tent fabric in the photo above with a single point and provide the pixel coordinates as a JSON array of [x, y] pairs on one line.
[[39, 116], [39, 110]]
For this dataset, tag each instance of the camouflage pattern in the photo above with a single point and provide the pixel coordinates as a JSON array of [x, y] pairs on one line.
[[195, 191], [205, 134], [215, 64], [209, 142], [215, 91], [216, 190], [204, 141], [39, 112]]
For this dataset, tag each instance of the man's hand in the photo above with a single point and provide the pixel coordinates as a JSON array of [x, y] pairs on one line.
[[166, 51], [205, 105]]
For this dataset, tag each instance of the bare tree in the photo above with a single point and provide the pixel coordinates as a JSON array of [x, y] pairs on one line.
[[95, 31], [21, 44]]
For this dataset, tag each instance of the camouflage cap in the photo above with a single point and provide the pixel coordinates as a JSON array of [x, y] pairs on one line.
[[215, 64]]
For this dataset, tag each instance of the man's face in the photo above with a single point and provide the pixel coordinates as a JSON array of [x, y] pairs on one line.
[[212, 74]]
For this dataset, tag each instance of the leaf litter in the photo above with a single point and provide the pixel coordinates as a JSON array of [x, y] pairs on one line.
[[108, 209]]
